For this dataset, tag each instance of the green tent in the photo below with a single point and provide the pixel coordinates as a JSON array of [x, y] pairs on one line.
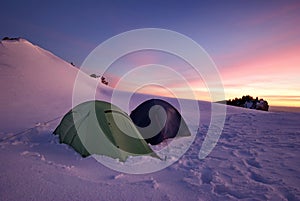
[[97, 127]]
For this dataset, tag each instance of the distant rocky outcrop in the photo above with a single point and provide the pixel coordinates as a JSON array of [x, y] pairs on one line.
[[8, 38], [94, 75], [249, 102], [103, 80]]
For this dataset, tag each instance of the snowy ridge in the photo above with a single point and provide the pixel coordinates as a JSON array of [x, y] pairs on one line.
[[256, 157], [37, 84]]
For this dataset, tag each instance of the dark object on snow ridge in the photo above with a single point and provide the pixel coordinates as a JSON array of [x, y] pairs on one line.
[[158, 120]]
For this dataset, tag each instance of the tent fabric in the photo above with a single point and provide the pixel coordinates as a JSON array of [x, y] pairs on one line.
[[164, 116], [98, 127]]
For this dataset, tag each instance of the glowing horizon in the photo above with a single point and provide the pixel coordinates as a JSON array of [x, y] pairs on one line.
[[272, 76], [281, 101], [262, 61]]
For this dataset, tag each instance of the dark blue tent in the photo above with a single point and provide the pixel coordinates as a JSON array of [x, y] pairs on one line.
[[158, 120]]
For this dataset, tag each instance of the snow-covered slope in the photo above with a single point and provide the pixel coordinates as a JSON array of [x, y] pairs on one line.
[[256, 158], [34, 85]]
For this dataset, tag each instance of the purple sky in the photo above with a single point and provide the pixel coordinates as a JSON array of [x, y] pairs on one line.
[[263, 36]]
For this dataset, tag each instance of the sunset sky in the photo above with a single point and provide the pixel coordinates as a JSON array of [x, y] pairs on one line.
[[254, 44]]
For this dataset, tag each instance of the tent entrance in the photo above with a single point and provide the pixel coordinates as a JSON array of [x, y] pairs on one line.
[[124, 133]]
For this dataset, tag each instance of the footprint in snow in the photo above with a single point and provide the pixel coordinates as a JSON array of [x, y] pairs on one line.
[[206, 175], [252, 162], [259, 178], [33, 154], [41, 157]]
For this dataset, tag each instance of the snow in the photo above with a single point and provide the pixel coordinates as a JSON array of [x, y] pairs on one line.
[[256, 158], [34, 79]]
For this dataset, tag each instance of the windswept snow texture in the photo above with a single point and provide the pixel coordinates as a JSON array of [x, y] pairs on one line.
[[256, 158]]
